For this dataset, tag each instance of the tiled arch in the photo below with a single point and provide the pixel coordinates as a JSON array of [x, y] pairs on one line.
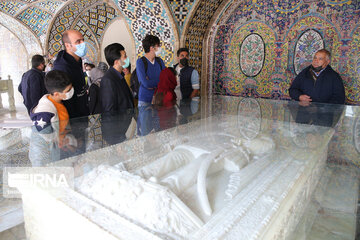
[[195, 30], [63, 21], [97, 18], [48, 19], [27, 37], [36, 15]]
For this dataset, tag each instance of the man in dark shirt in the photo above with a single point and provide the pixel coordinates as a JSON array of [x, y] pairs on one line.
[[114, 91], [69, 61], [186, 76], [32, 86], [318, 82]]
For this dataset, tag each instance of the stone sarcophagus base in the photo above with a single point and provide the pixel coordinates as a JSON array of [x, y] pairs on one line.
[[203, 184]]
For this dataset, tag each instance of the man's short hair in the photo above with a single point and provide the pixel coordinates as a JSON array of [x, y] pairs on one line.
[[56, 81], [182, 50], [91, 65], [150, 41], [327, 53], [112, 53], [65, 38], [36, 60]]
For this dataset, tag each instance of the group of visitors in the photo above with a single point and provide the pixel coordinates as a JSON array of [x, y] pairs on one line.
[[73, 89]]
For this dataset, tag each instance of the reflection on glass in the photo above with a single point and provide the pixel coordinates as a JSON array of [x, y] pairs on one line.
[[316, 114], [305, 131], [242, 162], [357, 134], [249, 118]]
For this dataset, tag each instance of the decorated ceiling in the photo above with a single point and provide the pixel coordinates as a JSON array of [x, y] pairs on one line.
[[39, 24]]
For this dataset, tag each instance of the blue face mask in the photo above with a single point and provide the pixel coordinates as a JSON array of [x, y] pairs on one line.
[[81, 49], [127, 63]]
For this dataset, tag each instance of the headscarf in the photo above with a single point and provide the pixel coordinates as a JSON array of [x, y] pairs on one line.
[[103, 66], [95, 76]]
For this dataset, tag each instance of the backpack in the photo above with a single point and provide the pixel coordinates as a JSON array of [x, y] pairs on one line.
[[134, 82]]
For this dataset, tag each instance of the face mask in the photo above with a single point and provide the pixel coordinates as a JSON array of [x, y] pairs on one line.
[[69, 94], [127, 63], [158, 52], [88, 73], [316, 69], [184, 62], [81, 49]]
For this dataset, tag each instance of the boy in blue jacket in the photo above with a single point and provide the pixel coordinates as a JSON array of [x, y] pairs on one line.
[[149, 79]]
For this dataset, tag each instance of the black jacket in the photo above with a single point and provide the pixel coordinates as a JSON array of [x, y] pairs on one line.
[[328, 88], [185, 81], [32, 87], [94, 99], [77, 105], [115, 93]]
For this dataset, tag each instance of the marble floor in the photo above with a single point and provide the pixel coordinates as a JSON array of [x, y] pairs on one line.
[[15, 233]]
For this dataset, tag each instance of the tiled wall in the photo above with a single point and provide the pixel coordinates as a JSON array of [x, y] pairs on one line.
[[181, 10], [260, 46], [195, 33], [150, 17]]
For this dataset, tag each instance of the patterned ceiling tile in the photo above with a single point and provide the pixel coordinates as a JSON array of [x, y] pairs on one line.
[[98, 18], [11, 7], [23, 33], [50, 6], [29, 1], [65, 19], [36, 19], [85, 31], [198, 25], [181, 9], [150, 17]]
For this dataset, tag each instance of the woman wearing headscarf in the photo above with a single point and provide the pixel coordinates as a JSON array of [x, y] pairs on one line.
[[94, 90]]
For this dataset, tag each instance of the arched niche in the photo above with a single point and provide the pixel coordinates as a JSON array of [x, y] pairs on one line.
[[13, 57], [23, 33], [13, 60], [309, 42], [117, 32], [319, 27], [230, 63]]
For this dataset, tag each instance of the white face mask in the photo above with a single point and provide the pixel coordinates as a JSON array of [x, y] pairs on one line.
[[88, 73], [69, 94], [158, 52]]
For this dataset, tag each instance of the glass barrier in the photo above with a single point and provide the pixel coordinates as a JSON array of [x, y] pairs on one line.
[[262, 168]]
